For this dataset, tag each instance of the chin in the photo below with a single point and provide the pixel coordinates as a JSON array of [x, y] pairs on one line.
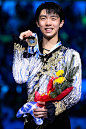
[[49, 36]]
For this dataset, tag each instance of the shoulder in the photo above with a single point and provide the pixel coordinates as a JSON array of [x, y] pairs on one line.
[[71, 52], [77, 59]]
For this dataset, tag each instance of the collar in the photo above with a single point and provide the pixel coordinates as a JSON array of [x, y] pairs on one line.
[[34, 49], [55, 46]]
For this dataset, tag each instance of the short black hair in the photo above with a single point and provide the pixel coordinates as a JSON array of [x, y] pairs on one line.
[[50, 7]]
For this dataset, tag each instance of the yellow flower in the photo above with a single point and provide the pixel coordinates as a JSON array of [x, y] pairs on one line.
[[59, 80], [60, 73], [49, 92], [43, 94]]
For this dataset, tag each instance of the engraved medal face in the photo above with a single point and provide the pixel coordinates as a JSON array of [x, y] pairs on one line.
[[32, 41]]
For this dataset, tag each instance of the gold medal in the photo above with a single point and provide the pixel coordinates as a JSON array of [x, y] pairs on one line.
[[32, 41]]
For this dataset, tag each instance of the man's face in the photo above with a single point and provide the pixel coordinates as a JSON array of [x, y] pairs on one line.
[[49, 24]]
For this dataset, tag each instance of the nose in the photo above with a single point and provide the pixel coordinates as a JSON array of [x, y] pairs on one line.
[[48, 22]]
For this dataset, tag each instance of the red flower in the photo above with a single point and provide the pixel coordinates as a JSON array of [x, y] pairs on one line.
[[46, 97], [50, 84]]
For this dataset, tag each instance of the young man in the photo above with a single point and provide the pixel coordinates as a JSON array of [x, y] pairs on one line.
[[31, 69]]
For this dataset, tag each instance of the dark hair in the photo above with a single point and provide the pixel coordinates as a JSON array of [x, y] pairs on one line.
[[50, 7]]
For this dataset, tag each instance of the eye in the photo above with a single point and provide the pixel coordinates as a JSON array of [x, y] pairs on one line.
[[43, 18], [53, 18]]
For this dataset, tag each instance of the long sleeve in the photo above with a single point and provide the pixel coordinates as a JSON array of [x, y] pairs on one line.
[[20, 65], [74, 96]]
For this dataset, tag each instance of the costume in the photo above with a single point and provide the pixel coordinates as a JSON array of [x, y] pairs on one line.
[[36, 69]]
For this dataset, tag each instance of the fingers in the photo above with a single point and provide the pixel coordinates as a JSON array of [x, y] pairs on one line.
[[40, 113], [40, 109], [41, 103], [25, 34]]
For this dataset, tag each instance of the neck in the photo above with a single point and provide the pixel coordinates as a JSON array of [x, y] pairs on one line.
[[49, 43]]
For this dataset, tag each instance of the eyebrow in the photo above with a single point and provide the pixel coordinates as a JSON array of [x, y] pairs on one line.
[[50, 16], [43, 16]]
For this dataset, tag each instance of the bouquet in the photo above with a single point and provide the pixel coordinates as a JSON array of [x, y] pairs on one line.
[[58, 87]]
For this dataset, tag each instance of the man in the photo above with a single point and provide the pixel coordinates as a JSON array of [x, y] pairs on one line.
[[31, 69]]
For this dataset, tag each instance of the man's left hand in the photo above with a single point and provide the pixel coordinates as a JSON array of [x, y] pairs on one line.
[[40, 112]]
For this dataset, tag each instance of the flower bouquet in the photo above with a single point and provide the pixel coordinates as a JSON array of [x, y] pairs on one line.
[[58, 87]]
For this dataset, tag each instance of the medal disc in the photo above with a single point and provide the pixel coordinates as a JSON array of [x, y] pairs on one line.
[[32, 41]]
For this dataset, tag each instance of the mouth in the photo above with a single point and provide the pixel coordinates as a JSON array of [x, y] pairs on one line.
[[48, 30]]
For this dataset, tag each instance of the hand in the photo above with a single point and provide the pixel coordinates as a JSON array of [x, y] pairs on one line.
[[40, 112], [25, 35]]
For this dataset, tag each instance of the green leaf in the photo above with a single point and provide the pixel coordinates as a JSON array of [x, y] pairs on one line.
[[71, 62], [69, 75], [72, 73], [69, 84], [59, 91], [65, 70], [64, 86], [53, 94], [75, 70], [57, 86]]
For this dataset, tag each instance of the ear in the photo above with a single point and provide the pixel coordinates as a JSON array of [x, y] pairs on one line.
[[37, 23], [62, 23]]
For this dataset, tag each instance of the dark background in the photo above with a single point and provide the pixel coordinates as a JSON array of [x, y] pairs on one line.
[[18, 16]]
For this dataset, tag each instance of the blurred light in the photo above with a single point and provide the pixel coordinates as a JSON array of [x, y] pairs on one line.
[[9, 7], [23, 3], [4, 88], [10, 63], [64, 35], [83, 90], [83, 20], [18, 89], [0, 2], [0, 76], [6, 38], [37, 3], [79, 7]]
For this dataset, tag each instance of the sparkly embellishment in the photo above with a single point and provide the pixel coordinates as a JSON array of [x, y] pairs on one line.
[[18, 47], [49, 67], [60, 107], [31, 97]]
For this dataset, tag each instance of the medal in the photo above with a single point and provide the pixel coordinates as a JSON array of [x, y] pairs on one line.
[[32, 40]]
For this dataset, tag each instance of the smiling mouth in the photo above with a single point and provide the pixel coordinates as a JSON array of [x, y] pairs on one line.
[[48, 30]]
